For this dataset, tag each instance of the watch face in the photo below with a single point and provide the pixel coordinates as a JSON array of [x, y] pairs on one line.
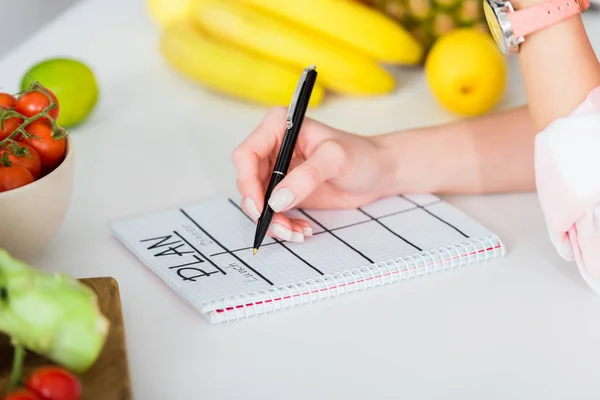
[[495, 26]]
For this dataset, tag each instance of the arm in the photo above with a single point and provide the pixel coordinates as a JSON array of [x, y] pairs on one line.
[[562, 82], [559, 69], [488, 154], [337, 169]]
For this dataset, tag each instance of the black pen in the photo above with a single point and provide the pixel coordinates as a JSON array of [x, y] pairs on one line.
[[294, 121]]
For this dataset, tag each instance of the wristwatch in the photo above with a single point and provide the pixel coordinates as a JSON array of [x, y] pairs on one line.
[[509, 27]]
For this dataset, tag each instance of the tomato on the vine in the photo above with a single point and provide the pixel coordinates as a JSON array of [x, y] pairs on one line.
[[23, 155], [34, 102], [22, 394], [55, 383], [50, 150], [14, 177], [10, 124], [7, 101]]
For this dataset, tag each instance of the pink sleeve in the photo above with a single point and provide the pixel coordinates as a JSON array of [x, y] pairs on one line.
[[567, 167]]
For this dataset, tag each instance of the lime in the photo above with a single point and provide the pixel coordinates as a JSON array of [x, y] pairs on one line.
[[73, 83]]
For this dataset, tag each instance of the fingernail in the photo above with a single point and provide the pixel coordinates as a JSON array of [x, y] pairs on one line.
[[297, 237], [281, 231], [252, 209], [281, 199], [307, 231]]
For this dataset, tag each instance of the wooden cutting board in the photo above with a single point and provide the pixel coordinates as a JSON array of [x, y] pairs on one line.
[[108, 378]]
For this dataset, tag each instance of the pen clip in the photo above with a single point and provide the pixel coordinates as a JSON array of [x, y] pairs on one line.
[[294, 104]]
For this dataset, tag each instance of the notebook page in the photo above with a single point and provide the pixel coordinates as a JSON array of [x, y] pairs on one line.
[[204, 252]]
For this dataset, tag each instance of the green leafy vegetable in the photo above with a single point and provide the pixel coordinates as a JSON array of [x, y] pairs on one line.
[[52, 315]]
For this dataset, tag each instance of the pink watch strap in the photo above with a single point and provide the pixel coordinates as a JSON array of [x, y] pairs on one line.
[[543, 15]]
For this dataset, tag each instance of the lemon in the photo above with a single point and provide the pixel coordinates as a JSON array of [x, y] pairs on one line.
[[163, 12], [72, 82], [466, 72]]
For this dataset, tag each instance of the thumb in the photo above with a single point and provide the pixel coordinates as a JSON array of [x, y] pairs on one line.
[[326, 163]]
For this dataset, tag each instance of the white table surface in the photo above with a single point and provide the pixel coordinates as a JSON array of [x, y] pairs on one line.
[[525, 327]]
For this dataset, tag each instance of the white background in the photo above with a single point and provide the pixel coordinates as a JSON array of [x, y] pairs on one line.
[[20, 18], [525, 327]]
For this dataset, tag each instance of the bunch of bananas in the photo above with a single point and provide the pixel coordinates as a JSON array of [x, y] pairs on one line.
[[255, 50]]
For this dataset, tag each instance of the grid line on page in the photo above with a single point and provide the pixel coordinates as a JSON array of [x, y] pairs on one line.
[[415, 207], [389, 229], [296, 253], [380, 217], [424, 208], [233, 203], [325, 230], [334, 235], [242, 249], [225, 248]]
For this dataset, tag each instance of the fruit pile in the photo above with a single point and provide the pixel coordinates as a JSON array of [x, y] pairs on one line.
[[256, 49], [429, 20], [53, 316], [31, 143]]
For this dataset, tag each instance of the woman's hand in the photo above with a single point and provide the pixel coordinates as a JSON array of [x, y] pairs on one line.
[[336, 169], [330, 169]]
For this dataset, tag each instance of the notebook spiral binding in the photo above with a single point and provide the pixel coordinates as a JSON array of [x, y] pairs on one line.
[[473, 250]]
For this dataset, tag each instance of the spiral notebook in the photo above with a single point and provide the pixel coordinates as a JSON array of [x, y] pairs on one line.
[[204, 252]]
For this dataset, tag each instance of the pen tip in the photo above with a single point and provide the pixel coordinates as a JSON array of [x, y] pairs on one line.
[[254, 251]]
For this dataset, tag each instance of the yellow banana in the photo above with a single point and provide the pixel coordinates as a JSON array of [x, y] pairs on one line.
[[340, 69], [230, 70], [350, 22], [163, 12]]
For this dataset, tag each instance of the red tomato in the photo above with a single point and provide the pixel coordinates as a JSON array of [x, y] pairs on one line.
[[7, 101], [22, 394], [51, 150], [14, 177], [54, 383], [32, 103], [10, 125], [18, 156]]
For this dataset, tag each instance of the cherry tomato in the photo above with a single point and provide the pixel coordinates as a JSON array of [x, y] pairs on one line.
[[32, 103], [18, 156], [22, 394], [54, 383], [7, 101], [50, 150], [10, 125], [14, 177]]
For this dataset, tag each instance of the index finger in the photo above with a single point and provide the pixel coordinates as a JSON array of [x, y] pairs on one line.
[[248, 155]]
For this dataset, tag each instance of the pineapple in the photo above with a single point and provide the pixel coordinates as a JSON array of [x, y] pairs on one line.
[[428, 20]]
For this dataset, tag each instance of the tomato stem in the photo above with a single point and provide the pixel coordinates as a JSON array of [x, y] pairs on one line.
[[18, 150], [5, 161], [17, 367], [5, 114]]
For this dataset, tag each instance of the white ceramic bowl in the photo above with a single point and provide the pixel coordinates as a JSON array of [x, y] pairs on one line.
[[31, 215]]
